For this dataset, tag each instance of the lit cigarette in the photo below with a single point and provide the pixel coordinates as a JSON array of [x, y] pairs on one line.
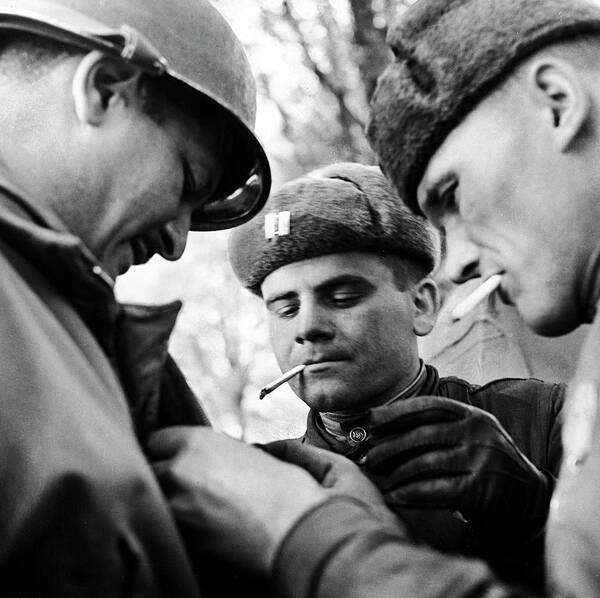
[[265, 390], [478, 295]]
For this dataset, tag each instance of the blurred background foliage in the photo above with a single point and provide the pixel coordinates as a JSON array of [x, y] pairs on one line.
[[316, 63]]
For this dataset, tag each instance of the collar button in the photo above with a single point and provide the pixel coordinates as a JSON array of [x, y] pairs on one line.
[[357, 434]]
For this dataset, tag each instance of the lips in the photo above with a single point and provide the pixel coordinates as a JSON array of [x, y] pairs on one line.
[[325, 358], [503, 291], [505, 296]]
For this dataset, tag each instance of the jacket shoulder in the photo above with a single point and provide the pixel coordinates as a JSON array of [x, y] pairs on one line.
[[527, 389], [527, 408]]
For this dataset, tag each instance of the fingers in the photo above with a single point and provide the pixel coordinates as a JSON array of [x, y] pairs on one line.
[[284, 450], [441, 479], [161, 469], [317, 462], [166, 443], [428, 469], [169, 442], [168, 450], [395, 450], [410, 413], [434, 464], [414, 427], [442, 493]]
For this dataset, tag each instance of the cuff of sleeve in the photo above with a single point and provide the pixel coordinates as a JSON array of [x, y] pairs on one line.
[[315, 538]]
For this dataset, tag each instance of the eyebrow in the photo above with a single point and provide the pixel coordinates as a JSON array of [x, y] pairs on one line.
[[324, 286], [342, 279], [281, 297]]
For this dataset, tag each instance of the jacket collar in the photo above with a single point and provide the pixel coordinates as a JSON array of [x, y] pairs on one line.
[[354, 444], [133, 337]]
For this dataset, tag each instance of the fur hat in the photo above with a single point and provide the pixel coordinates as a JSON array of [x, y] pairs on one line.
[[342, 207], [448, 55]]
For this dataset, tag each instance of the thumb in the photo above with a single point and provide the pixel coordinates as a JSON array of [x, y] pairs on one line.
[[317, 462]]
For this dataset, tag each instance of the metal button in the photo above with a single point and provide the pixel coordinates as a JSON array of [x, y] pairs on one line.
[[358, 434]]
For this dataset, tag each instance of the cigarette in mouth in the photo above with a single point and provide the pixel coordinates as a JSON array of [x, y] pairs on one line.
[[478, 295], [265, 390]]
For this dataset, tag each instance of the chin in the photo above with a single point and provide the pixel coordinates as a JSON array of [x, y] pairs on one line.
[[327, 402], [554, 321]]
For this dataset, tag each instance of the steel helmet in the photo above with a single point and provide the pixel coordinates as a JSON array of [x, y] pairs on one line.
[[188, 42]]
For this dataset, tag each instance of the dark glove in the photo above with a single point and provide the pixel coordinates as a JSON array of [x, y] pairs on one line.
[[433, 452]]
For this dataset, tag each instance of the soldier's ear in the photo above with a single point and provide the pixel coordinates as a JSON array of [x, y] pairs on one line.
[[100, 83], [426, 301], [558, 90]]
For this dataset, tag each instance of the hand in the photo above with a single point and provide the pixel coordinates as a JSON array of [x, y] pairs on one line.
[[239, 501], [336, 474], [439, 453]]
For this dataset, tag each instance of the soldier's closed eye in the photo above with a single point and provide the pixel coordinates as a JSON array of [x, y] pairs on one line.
[[284, 308], [348, 295]]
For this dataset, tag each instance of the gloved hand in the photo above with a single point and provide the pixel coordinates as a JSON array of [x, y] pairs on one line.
[[439, 453]]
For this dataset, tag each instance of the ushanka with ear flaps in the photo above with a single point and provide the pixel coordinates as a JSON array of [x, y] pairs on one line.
[[339, 208], [448, 55]]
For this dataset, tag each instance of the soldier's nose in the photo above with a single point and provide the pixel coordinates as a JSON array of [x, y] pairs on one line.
[[313, 325], [462, 257], [174, 235]]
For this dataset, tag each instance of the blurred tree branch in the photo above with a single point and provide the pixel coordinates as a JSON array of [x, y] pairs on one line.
[[329, 82], [372, 53]]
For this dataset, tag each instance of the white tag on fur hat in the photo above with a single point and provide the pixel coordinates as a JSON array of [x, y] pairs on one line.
[[277, 224]]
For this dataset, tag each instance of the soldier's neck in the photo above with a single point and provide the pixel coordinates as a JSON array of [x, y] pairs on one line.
[[334, 421]]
